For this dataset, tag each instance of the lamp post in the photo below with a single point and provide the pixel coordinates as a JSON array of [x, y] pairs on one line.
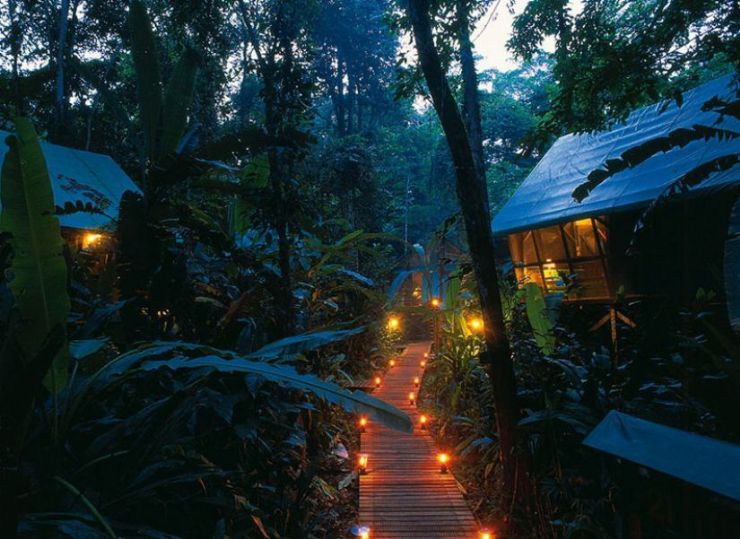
[[435, 306]]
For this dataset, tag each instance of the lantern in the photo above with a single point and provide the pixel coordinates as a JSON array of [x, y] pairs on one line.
[[485, 534], [423, 422], [392, 363], [416, 381], [363, 424], [476, 324], [443, 459], [377, 381], [412, 398], [393, 323], [422, 363], [362, 464], [435, 302]]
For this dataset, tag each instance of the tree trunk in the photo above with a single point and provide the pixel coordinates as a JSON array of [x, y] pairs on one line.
[[476, 217], [15, 52], [59, 89], [471, 102]]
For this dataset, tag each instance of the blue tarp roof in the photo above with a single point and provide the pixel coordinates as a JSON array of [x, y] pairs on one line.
[[93, 179], [706, 462], [546, 196]]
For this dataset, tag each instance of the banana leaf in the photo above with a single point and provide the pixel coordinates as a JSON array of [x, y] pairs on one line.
[[352, 401], [178, 98], [304, 342], [148, 75], [540, 318], [39, 272]]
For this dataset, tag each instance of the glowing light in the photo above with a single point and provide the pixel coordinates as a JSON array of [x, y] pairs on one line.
[[426, 354], [416, 381], [362, 464], [364, 532], [412, 398], [443, 459], [377, 381], [392, 363], [393, 323], [486, 535], [363, 424], [422, 363], [90, 239], [435, 302], [423, 422], [476, 324]]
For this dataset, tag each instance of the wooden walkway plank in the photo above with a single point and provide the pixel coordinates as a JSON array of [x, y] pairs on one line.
[[404, 495]]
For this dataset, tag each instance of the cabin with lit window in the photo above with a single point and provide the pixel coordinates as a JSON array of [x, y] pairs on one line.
[[88, 188], [588, 249]]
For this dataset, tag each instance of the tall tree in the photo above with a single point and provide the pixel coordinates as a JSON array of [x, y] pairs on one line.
[[60, 98], [279, 35], [612, 57], [476, 217], [471, 101]]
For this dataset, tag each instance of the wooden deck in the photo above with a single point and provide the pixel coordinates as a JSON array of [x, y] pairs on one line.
[[403, 494]]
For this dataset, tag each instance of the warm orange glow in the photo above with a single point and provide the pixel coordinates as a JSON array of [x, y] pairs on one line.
[[412, 397], [486, 535], [393, 323], [426, 354], [363, 422], [393, 363], [443, 459], [365, 533], [476, 324], [416, 381], [422, 363], [90, 239], [377, 381], [362, 463], [435, 302], [423, 422]]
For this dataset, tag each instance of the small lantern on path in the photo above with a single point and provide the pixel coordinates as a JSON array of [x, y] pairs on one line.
[[443, 459]]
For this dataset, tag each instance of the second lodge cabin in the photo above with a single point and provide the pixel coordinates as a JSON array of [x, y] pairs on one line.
[[579, 248], [88, 188]]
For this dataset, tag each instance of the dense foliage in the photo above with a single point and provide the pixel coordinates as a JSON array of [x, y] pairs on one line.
[[197, 372]]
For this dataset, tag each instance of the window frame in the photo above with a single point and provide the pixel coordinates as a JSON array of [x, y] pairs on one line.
[[570, 260]]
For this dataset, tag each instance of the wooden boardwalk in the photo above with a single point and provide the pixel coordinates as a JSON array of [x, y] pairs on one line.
[[404, 495]]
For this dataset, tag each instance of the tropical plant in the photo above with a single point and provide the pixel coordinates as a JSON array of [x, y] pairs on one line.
[[164, 117], [231, 438], [39, 272]]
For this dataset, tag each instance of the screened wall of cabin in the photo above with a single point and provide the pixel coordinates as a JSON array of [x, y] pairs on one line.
[[569, 257]]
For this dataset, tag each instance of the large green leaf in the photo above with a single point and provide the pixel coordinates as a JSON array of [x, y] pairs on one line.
[[353, 401], [148, 77], [539, 318], [178, 98], [39, 272], [296, 344]]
